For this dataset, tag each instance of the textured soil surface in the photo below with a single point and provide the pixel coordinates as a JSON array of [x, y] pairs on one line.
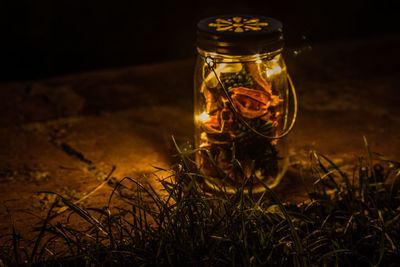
[[67, 134]]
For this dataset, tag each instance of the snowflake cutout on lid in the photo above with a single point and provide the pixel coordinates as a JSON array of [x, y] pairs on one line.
[[238, 24]]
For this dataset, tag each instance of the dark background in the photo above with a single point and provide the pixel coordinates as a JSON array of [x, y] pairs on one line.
[[42, 38]]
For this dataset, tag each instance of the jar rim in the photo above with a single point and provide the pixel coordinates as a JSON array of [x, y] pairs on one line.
[[236, 58]]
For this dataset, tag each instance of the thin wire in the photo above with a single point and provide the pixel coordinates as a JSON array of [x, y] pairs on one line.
[[210, 62], [268, 57]]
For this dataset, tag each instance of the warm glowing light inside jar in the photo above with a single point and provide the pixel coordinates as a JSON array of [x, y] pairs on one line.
[[274, 70], [202, 117], [276, 58], [209, 60]]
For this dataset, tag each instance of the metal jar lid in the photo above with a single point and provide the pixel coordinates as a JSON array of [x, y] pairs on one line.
[[237, 34]]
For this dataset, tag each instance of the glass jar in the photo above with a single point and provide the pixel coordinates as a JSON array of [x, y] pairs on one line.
[[241, 106]]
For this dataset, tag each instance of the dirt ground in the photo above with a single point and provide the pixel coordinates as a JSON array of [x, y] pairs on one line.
[[66, 134]]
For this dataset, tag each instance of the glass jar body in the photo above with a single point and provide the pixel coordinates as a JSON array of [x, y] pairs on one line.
[[240, 111]]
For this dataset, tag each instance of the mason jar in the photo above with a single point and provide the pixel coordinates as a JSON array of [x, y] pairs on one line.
[[241, 105]]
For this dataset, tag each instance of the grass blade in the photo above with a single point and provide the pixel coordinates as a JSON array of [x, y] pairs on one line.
[[295, 236], [42, 231]]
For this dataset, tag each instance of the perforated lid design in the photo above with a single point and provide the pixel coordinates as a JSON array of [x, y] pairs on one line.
[[239, 34]]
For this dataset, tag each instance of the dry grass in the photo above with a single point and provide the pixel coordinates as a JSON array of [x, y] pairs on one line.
[[349, 223]]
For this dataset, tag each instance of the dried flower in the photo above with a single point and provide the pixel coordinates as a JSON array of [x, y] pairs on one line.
[[251, 103]]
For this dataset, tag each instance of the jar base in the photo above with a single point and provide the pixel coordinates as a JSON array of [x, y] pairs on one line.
[[215, 185]]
